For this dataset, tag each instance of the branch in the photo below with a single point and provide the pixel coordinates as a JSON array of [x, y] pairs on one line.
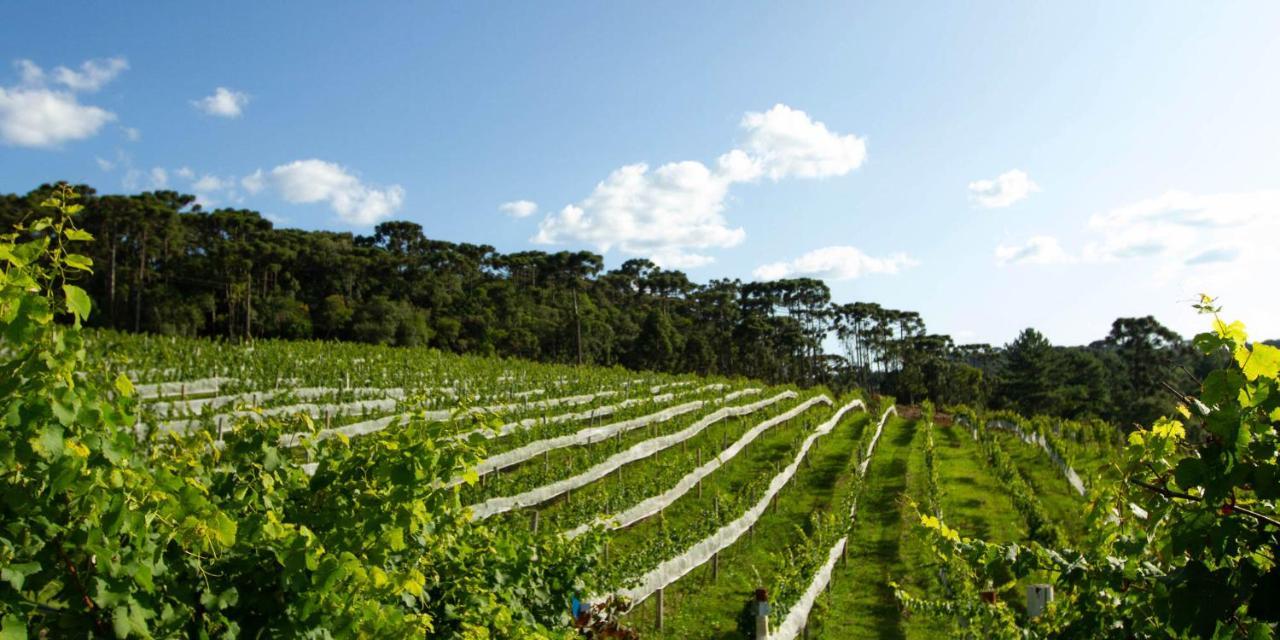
[[1186, 496]]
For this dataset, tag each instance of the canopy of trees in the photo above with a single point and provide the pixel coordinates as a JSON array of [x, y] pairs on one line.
[[164, 265]]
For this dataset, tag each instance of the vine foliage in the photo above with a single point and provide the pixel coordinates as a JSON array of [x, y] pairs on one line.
[[103, 534], [1184, 545]]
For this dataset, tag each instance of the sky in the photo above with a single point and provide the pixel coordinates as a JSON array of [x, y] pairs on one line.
[[991, 165]]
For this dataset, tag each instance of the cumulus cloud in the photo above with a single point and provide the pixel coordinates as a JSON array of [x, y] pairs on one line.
[[132, 135], [104, 164], [1006, 189], [308, 181], [834, 263], [1036, 250], [208, 183], [519, 208], [33, 114], [788, 143], [138, 180], [254, 182], [224, 103], [185, 173], [1183, 227], [662, 213], [674, 213], [92, 75]]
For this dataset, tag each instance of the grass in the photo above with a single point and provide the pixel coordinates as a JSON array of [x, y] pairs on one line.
[[1064, 505], [696, 606]]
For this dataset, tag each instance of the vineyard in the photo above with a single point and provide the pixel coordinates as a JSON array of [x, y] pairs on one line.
[[706, 489], [170, 486]]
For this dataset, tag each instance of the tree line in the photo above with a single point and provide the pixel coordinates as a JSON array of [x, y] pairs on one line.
[[163, 264]]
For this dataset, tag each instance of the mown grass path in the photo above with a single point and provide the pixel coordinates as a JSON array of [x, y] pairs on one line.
[[696, 606], [882, 548], [973, 501], [1064, 505]]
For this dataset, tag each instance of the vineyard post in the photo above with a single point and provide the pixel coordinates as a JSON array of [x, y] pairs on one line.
[[762, 614], [182, 391], [659, 603], [715, 566], [535, 522], [699, 466], [1038, 598]]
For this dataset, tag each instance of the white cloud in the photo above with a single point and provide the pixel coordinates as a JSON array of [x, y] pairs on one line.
[[1036, 250], [46, 118], [104, 164], [673, 213], [138, 180], [787, 143], [32, 74], [185, 173], [254, 182], [132, 135], [306, 181], [1008, 188], [93, 74], [519, 208], [664, 212], [1180, 227], [209, 183], [34, 115], [224, 103], [834, 263]]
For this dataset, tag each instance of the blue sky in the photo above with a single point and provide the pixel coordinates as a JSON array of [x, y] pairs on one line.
[[990, 165]]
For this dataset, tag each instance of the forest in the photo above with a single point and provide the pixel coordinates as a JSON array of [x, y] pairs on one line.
[[165, 265]]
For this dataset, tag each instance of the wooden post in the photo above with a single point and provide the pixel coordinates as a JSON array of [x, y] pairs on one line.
[[182, 391], [535, 521], [660, 612], [1038, 598], [762, 614], [715, 566], [546, 461]]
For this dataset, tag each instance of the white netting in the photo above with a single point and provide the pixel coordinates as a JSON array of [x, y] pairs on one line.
[[383, 423], [673, 569], [639, 451], [593, 434], [222, 421], [1036, 439], [177, 407], [871, 446], [654, 504], [196, 405], [598, 412], [163, 389], [798, 615], [378, 424]]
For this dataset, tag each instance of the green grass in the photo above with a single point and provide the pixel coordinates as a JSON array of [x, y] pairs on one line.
[[973, 502], [1064, 505], [697, 607], [881, 549]]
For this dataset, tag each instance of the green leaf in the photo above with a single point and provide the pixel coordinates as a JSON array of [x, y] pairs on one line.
[[13, 628], [78, 235], [124, 386], [15, 574], [49, 442], [78, 301], [1189, 473], [1263, 360], [1234, 332], [77, 261], [120, 622]]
